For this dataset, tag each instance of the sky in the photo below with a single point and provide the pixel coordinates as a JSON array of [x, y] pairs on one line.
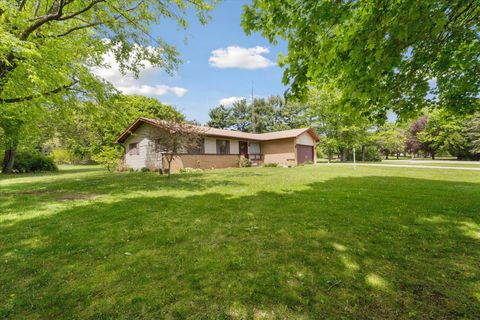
[[220, 65]]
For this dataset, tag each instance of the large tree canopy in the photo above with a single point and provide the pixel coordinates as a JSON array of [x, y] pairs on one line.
[[381, 54], [49, 49], [49, 46], [91, 127]]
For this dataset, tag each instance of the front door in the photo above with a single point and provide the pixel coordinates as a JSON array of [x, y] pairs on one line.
[[243, 147]]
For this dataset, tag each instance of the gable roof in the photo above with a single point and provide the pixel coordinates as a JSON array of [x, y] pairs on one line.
[[215, 132]]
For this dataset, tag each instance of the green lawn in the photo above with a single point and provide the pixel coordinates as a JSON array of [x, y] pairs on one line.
[[452, 163], [309, 242]]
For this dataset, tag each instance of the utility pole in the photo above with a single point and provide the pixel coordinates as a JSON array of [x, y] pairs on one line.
[[254, 122]]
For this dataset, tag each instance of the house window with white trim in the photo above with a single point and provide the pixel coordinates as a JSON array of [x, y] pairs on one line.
[[223, 147]]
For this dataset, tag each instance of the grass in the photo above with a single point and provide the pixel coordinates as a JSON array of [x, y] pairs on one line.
[[255, 243], [452, 163]]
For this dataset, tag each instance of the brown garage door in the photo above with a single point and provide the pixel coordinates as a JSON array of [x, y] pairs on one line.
[[304, 153]]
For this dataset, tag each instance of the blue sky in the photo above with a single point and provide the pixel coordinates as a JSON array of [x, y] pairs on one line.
[[220, 62]]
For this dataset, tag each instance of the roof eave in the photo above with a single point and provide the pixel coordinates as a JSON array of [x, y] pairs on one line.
[[134, 126]]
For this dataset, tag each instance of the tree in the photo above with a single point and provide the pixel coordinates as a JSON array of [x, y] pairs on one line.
[[340, 131], [90, 127], [292, 114], [390, 139], [175, 138], [382, 55], [263, 115], [49, 49], [241, 116], [109, 157], [219, 117], [412, 143], [21, 127], [473, 134], [431, 136], [445, 132], [50, 46], [134, 106]]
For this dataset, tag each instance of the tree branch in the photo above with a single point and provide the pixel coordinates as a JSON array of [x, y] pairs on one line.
[[56, 13], [34, 96], [93, 24], [74, 14], [22, 5]]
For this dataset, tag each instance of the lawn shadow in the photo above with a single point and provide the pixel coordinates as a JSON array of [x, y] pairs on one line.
[[367, 247], [37, 194], [60, 172]]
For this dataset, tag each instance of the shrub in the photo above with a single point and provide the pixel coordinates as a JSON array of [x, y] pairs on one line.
[[131, 170], [109, 157], [244, 162], [372, 154], [270, 165], [33, 161], [145, 169]]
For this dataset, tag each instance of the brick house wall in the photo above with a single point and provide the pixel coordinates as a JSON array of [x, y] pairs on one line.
[[279, 151], [203, 161]]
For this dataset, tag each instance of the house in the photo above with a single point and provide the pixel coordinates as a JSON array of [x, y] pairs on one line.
[[219, 148]]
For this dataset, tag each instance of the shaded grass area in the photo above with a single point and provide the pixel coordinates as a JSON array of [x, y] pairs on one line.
[[309, 242]]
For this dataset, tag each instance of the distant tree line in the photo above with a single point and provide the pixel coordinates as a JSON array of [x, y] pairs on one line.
[[435, 132], [261, 115]]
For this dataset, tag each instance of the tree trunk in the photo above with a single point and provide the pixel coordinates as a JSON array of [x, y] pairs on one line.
[[330, 157], [386, 155], [8, 159], [398, 155], [170, 164], [433, 155], [344, 155]]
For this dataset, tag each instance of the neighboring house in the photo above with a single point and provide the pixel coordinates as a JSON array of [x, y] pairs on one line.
[[219, 148]]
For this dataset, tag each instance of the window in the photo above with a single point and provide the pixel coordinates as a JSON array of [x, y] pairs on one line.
[[254, 151], [223, 147], [254, 148], [133, 149], [199, 148]]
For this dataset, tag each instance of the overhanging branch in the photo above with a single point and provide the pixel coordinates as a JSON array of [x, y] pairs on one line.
[[39, 95], [90, 25]]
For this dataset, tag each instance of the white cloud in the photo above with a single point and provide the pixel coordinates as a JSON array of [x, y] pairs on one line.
[[158, 90], [238, 57], [230, 100], [128, 84]]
